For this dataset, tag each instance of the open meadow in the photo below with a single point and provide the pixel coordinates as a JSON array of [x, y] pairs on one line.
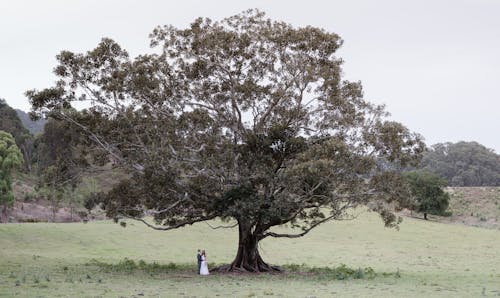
[[428, 259]]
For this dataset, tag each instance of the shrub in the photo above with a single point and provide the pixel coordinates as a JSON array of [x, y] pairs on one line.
[[447, 213], [128, 265], [29, 220], [359, 274], [294, 267], [341, 272], [28, 197]]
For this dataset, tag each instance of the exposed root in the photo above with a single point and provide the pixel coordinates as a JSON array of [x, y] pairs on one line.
[[260, 268]]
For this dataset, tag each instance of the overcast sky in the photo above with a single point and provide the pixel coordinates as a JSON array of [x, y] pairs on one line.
[[435, 63]]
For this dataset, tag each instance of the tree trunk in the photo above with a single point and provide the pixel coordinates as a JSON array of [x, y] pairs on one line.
[[425, 215], [54, 208], [3, 213], [247, 258]]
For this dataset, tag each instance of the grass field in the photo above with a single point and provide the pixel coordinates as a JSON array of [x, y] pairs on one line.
[[433, 259]]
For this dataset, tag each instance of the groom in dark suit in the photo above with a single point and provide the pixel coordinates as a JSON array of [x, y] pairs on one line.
[[199, 260]]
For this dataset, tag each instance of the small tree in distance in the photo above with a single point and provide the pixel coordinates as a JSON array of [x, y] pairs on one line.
[[52, 189], [427, 190], [244, 119]]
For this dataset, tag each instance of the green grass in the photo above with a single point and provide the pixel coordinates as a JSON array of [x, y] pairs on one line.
[[81, 260]]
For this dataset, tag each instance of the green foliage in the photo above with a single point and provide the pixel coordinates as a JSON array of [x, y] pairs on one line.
[[427, 190], [74, 198], [463, 164], [60, 154], [31, 195], [89, 193], [10, 122], [341, 272], [10, 160], [128, 265]]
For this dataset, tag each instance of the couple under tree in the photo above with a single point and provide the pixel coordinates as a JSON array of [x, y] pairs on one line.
[[202, 262]]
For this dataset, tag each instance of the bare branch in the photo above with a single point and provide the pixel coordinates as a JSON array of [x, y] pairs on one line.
[[222, 227], [150, 212], [166, 228], [276, 235], [103, 144]]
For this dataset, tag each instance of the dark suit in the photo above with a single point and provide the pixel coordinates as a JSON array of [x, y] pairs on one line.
[[199, 262]]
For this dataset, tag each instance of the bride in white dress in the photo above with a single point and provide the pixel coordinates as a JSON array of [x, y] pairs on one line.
[[204, 264]]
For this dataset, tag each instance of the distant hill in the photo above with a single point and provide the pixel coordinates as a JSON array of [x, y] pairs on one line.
[[34, 127], [475, 206], [463, 164], [10, 122]]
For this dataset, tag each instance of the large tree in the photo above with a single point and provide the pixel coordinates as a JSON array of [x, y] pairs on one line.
[[245, 119], [10, 159]]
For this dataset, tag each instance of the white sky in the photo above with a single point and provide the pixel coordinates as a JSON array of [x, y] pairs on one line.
[[434, 63]]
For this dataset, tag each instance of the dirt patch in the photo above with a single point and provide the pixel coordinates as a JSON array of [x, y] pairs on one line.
[[471, 206], [42, 212], [28, 212]]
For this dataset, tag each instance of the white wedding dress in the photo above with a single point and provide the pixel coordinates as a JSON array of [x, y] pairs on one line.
[[204, 266]]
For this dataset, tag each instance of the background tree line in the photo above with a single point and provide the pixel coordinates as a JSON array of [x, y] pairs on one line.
[[53, 154], [463, 164]]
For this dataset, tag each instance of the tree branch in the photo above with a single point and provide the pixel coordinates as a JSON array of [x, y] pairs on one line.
[[276, 235], [149, 212], [222, 227], [163, 228]]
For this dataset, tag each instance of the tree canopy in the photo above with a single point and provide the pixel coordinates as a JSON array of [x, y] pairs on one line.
[[10, 159], [245, 118], [463, 164], [427, 190], [10, 122], [61, 154]]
